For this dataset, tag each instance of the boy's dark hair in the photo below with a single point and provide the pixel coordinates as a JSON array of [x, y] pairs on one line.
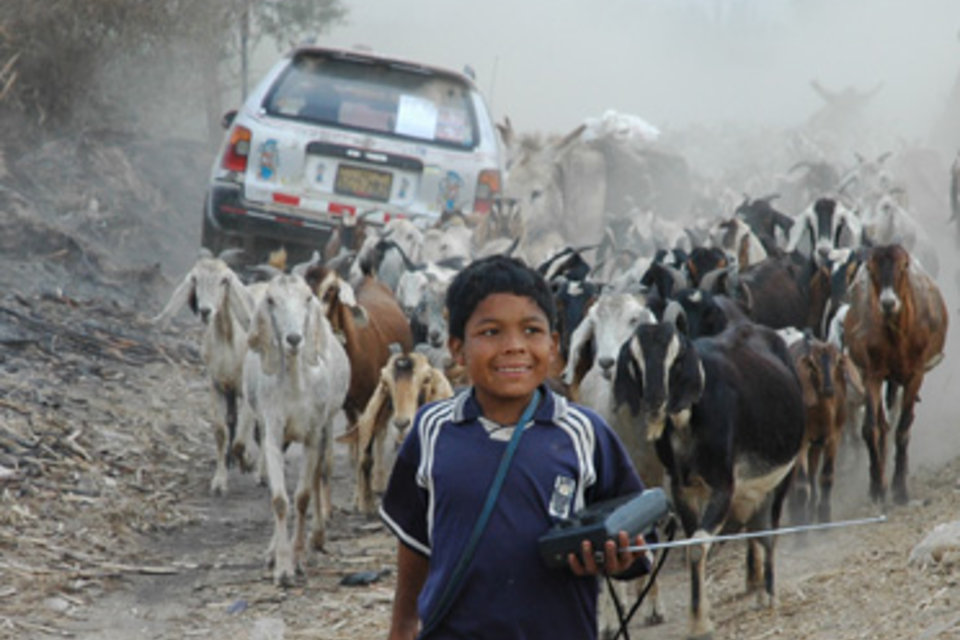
[[495, 274]]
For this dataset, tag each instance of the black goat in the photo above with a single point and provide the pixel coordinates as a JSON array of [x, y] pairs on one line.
[[727, 417]]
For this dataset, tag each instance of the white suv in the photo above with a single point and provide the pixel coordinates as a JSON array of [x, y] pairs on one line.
[[331, 133]]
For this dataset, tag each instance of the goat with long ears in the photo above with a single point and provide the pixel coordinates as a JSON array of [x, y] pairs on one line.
[[295, 379], [215, 293]]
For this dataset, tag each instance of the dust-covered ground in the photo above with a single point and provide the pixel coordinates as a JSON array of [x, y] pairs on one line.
[[107, 527]]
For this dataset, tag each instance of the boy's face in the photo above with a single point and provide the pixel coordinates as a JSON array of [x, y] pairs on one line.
[[508, 350]]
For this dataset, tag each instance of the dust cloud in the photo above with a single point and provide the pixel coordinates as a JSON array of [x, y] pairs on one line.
[[549, 65], [683, 64]]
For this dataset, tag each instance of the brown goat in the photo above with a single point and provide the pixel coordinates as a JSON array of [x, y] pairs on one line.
[[368, 321], [895, 331], [407, 382], [348, 236], [823, 372]]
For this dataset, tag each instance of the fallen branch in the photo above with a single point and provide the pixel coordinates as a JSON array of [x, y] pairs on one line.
[[15, 407], [32, 626], [149, 570]]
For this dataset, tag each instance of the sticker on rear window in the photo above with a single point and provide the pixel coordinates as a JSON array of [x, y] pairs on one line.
[[416, 117], [453, 126]]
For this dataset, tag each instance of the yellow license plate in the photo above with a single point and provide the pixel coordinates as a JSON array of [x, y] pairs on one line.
[[363, 183]]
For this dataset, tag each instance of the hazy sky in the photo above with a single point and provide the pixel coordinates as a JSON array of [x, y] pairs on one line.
[[550, 64]]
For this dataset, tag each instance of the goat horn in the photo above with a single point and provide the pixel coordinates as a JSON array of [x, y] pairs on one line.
[[586, 247], [337, 262], [546, 265], [385, 245], [710, 278], [228, 255], [267, 270], [454, 262], [679, 280], [301, 268], [674, 314], [598, 267]]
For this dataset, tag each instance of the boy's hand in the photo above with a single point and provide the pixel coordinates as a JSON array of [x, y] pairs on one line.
[[614, 561]]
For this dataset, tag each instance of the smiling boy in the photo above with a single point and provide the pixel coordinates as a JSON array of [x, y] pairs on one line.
[[501, 317]]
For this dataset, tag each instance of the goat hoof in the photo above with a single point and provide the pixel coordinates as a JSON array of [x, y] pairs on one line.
[[244, 461], [765, 601], [654, 619], [283, 580], [318, 541], [218, 487], [900, 495]]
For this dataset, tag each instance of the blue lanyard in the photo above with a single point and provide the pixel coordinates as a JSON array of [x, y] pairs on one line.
[[456, 577]]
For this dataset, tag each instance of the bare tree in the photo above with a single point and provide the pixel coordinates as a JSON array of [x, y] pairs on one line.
[[117, 63]]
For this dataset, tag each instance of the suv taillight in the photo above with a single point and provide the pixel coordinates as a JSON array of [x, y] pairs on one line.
[[488, 188], [237, 151]]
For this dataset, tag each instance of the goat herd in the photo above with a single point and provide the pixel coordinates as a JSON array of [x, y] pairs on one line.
[[734, 366]]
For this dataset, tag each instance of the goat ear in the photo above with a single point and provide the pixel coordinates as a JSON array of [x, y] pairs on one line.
[[346, 294], [185, 291], [239, 300], [312, 342], [260, 341], [373, 419], [579, 348], [628, 382], [348, 298], [438, 387], [686, 380], [192, 299], [360, 316]]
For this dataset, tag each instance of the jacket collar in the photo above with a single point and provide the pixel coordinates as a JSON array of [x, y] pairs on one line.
[[552, 406]]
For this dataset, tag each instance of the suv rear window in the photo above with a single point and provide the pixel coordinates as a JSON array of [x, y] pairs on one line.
[[376, 97]]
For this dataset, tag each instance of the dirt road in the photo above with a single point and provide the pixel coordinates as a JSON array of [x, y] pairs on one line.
[[107, 528]]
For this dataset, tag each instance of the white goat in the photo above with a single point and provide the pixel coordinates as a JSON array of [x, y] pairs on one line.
[[295, 381], [447, 244], [610, 322], [215, 293], [888, 222], [407, 236]]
